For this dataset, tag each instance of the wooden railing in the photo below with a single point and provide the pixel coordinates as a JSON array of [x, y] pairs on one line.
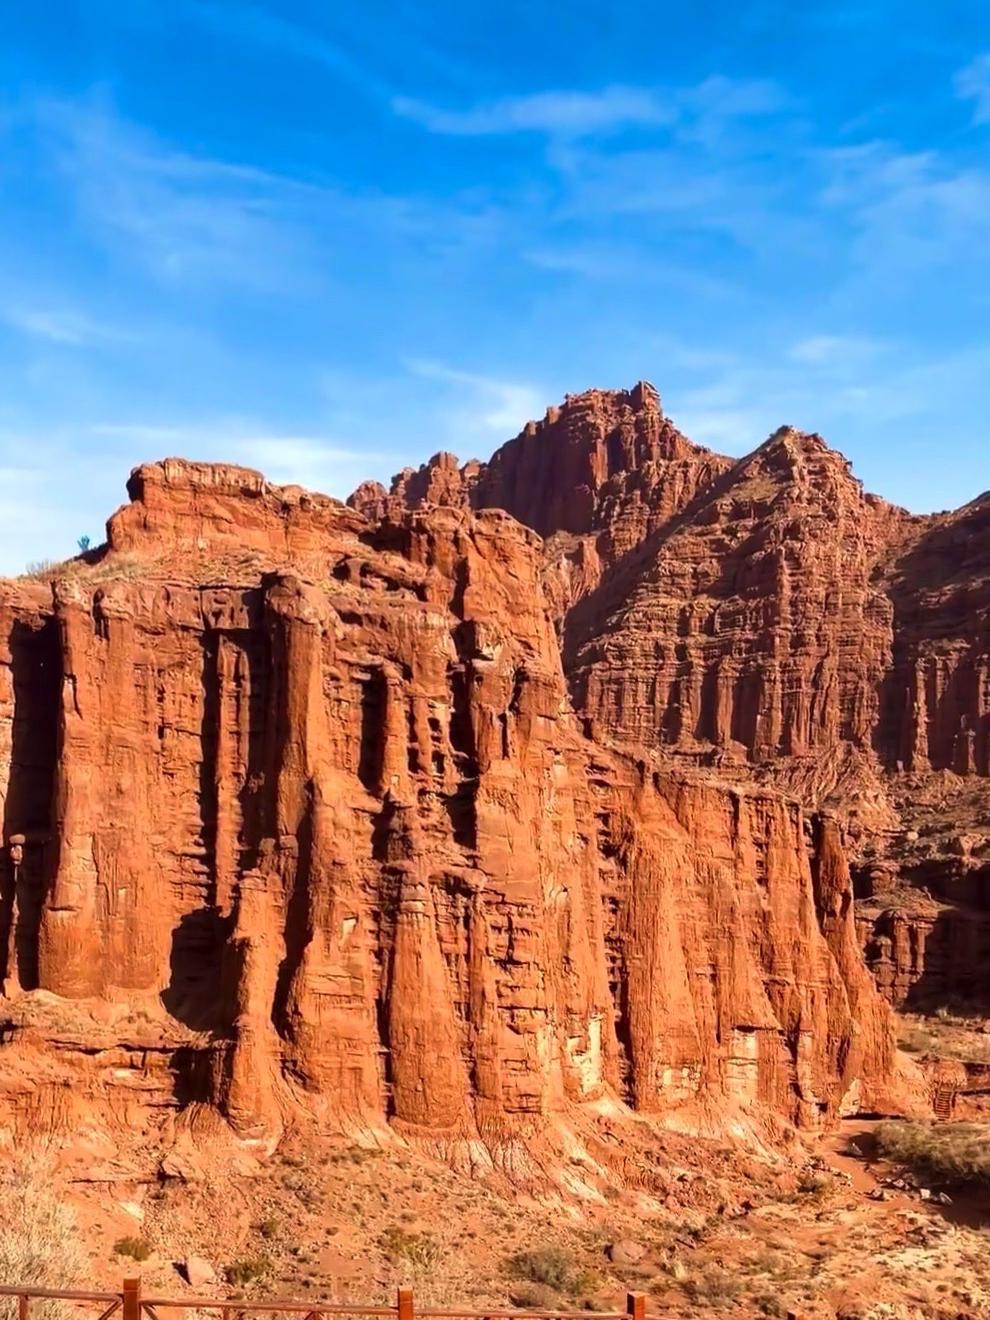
[[131, 1304]]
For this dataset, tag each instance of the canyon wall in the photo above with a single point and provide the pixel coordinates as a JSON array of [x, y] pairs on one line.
[[785, 609], [767, 619], [299, 820]]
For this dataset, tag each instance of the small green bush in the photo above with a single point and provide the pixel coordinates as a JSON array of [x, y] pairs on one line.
[[135, 1248], [553, 1267], [419, 1250], [247, 1271]]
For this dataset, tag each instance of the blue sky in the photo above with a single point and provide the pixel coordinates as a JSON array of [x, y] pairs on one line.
[[328, 239]]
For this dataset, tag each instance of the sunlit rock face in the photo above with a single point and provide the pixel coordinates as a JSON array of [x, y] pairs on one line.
[[309, 825]]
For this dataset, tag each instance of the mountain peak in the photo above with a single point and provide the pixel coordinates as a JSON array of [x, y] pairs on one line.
[[577, 470]]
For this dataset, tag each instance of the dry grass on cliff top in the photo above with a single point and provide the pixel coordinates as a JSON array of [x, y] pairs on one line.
[[243, 567], [125, 566]]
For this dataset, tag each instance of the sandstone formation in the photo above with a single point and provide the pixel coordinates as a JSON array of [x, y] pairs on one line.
[[299, 819], [766, 619], [595, 477]]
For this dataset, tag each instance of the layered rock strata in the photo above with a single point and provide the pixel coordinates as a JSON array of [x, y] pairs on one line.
[[768, 619], [299, 820]]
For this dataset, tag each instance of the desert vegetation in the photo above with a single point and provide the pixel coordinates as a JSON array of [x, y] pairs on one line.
[[955, 1153], [950, 1031], [128, 567], [547, 1272], [133, 1248], [39, 1240], [249, 1269]]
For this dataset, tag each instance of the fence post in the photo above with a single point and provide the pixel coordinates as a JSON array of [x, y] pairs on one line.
[[404, 1305], [131, 1299], [635, 1306], [23, 1307]]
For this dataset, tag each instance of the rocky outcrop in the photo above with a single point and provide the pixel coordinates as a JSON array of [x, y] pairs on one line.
[[923, 909], [595, 477], [760, 609], [936, 709], [753, 624], [299, 820], [767, 619]]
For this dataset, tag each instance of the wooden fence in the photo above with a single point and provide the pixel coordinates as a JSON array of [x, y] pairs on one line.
[[132, 1304]]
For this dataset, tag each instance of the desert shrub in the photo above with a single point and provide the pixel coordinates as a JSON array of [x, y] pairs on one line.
[[915, 1039], [769, 1304], [43, 569], [134, 1247], [532, 1296], [553, 1267], [247, 1270], [353, 1155], [946, 1030], [39, 1239], [419, 1250], [123, 565], [945, 1152], [713, 1286], [814, 1184]]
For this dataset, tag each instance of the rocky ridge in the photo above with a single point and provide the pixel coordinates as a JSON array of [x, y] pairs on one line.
[[299, 822], [767, 619]]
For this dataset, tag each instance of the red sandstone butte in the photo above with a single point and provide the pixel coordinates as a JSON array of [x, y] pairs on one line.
[[309, 825]]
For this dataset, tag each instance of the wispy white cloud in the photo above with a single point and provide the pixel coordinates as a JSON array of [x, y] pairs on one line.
[[253, 23], [62, 326], [972, 83], [313, 461], [606, 262], [704, 172], [572, 113], [727, 430], [732, 400], [485, 406], [564, 113], [656, 182], [834, 350], [205, 223], [184, 216], [908, 210], [734, 97], [45, 496]]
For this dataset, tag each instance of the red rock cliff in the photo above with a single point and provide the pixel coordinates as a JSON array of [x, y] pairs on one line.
[[595, 477], [298, 819], [767, 618]]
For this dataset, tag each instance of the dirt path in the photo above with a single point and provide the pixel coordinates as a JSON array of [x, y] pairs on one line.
[[864, 1172], [969, 1207]]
